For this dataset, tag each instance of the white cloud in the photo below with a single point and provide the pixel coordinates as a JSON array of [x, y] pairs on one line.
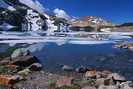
[[34, 4], [11, 8], [61, 14]]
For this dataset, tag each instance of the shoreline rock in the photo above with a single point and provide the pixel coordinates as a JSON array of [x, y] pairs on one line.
[[34, 78]]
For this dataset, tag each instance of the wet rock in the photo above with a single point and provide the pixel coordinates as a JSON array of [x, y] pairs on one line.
[[64, 81], [20, 52], [91, 74], [24, 61], [35, 67]]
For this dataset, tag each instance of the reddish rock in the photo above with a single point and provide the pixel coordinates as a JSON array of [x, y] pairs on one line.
[[9, 80], [6, 80]]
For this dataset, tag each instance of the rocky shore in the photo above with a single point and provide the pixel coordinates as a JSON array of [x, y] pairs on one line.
[[24, 71]]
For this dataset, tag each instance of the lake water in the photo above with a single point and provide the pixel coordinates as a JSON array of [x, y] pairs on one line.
[[78, 52]]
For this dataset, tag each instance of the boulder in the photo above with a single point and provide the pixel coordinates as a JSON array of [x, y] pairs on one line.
[[24, 61], [126, 85], [117, 77], [20, 52], [35, 67], [91, 74]]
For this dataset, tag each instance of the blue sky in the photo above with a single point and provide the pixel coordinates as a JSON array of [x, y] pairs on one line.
[[117, 11]]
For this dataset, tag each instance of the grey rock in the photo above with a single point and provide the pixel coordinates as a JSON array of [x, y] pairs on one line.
[[117, 77], [126, 85]]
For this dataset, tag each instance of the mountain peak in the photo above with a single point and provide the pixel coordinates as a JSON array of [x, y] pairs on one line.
[[94, 20]]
